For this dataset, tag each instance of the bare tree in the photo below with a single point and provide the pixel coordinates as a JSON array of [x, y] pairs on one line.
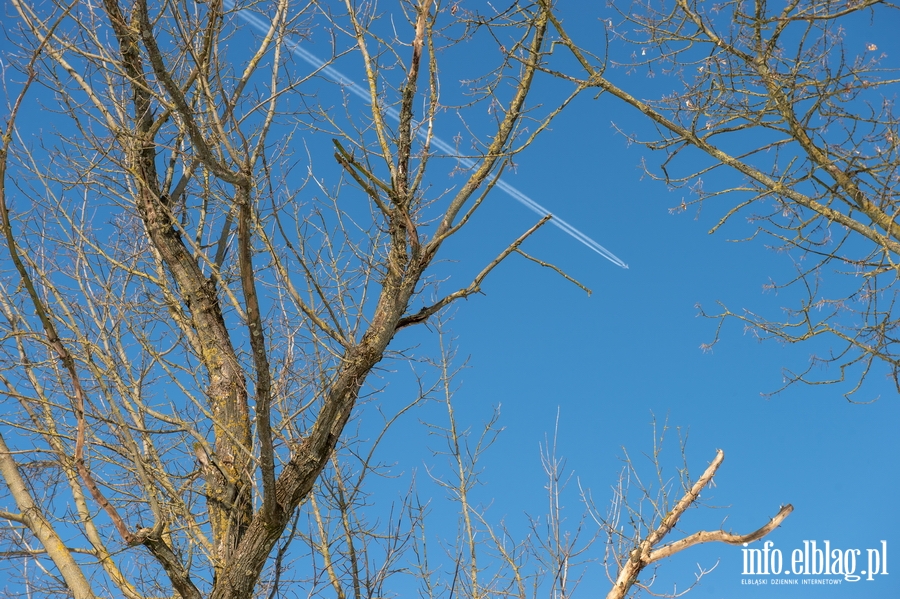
[[798, 102], [188, 326], [186, 329]]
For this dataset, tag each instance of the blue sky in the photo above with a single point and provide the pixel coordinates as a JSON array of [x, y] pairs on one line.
[[600, 369]]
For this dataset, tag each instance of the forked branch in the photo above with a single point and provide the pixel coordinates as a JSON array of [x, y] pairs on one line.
[[644, 554]]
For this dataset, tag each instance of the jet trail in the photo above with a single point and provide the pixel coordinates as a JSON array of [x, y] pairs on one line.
[[363, 93]]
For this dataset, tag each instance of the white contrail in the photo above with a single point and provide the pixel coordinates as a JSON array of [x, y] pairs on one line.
[[357, 90]]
